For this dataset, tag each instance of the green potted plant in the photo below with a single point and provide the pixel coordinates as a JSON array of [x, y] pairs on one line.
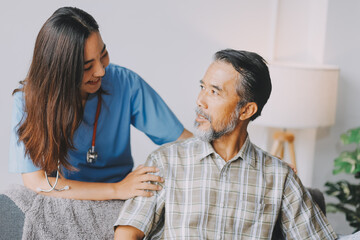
[[347, 193]]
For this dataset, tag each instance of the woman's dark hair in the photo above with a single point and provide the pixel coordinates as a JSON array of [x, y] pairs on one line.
[[53, 108], [254, 84]]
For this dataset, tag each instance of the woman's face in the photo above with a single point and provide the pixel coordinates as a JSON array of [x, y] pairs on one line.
[[96, 59]]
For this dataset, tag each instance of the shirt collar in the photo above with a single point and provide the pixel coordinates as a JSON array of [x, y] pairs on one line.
[[202, 149], [246, 153]]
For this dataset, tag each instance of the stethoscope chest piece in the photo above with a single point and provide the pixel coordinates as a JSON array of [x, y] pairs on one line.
[[91, 156]]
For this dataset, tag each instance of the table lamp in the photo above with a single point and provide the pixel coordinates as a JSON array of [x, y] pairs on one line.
[[303, 97]]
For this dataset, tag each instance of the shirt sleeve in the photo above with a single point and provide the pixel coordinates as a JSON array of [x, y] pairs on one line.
[[146, 213], [301, 218], [151, 115], [18, 162]]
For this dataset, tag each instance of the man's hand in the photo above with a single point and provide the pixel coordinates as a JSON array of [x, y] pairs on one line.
[[128, 232], [137, 183]]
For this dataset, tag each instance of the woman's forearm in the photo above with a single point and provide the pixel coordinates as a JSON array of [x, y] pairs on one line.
[[137, 183], [77, 189]]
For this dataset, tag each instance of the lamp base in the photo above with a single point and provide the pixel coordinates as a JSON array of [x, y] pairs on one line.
[[278, 148]]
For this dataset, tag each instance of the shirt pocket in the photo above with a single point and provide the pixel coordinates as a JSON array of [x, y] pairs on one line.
[[251, 219]]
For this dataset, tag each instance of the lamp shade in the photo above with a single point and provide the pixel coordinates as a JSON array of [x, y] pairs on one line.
[[303, 96]]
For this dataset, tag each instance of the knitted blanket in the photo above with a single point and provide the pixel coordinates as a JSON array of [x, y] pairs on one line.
[[58, 218]]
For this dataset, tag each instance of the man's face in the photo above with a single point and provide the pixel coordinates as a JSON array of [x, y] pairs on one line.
[[217, 113]]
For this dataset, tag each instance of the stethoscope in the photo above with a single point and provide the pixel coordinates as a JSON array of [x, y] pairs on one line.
[[91, 155]]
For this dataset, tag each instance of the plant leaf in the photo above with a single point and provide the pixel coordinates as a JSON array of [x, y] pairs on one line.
[[347, 162], [347, 194], [351, 136]]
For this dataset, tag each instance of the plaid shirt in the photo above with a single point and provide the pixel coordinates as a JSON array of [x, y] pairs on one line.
[[204, 197]]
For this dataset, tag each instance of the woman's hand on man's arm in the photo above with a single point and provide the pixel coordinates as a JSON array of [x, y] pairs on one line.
[[138, 183]]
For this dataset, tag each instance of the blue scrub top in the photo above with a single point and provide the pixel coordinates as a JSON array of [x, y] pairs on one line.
[[129, 100]]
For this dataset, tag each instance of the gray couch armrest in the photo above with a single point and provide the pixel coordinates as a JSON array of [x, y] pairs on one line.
[[318, 197], [11, 219]]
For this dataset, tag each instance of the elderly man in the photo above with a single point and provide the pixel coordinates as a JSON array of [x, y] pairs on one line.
[[219, 185]]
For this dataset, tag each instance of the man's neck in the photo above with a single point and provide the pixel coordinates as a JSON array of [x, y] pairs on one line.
[[229, 145]]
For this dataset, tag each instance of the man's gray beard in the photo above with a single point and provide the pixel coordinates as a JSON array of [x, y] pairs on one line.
[[210, 134]]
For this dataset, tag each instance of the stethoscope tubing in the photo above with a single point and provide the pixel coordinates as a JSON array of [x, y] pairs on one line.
[[56, 182]]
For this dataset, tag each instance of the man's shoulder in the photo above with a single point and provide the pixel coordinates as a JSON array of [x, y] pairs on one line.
[[268, 161], [181, 148]]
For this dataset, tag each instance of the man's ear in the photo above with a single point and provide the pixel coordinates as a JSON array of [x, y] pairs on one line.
[[248, 111]]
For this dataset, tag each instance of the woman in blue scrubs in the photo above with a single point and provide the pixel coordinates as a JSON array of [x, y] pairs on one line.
[[73, 113]]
